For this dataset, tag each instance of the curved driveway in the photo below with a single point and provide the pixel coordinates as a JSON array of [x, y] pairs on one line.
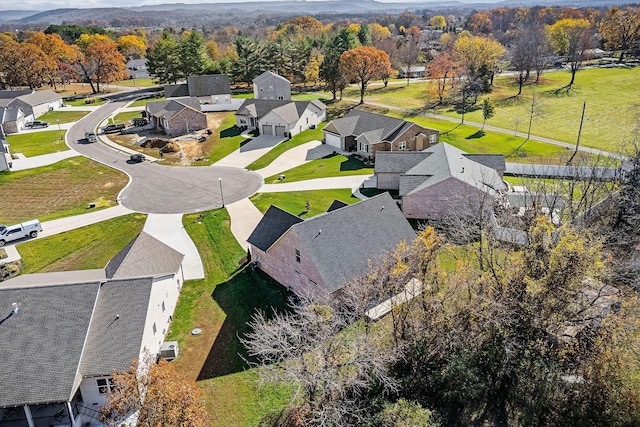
[[164, 189]]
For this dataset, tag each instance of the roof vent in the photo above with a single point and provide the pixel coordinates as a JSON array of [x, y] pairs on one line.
[[462, 170], [319, 232], [16, 307], [382, 208]]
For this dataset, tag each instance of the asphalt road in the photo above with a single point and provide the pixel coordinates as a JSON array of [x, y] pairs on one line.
[[161, 189]]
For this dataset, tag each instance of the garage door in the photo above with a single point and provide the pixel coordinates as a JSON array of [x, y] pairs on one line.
[[279, 130], [267, 129], [332, 140]]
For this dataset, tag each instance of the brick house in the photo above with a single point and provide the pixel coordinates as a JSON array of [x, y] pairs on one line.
[[368, 133], [322, 254], [176, 116]]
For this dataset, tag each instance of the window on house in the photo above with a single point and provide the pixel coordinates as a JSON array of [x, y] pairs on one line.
[[154, 328], [402, 145], [433, 138], [105, 385], [261, 88], [297, 255]]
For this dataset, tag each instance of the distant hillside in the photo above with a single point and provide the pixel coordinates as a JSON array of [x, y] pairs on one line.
[[15, 15]]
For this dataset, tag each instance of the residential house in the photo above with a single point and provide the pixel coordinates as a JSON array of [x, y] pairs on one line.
[[441, 181], [12, 119], [269, 85], [5, 154], [137, 68], [208, 89], [415, 72], [279, 117], [176, 116], [67, 332], [367, 133], [35, 104], [322, 254]]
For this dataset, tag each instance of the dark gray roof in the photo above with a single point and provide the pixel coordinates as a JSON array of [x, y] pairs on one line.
[[176, 91], [115, 335], [398, 161], [11, 94], [273, 224], [340, 243], [269, 75], [171, 107], [213, 84], [40, 97], [137, 63], [144, 256], [259, 108], [357, 122], [337, 204], [494, 161], [55, 278], [43, 343], [10, 114]]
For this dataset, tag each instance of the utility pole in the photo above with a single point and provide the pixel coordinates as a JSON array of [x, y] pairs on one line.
[[584, 107]]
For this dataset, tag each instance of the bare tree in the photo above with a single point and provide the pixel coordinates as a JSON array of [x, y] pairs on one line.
[[526, 52], [408, 55]]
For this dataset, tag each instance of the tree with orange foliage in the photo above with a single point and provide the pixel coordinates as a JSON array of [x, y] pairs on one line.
[[99, 60], [24, 64], [160, 395], [59, 54], [363, 64], [620, 29], [440, 70]]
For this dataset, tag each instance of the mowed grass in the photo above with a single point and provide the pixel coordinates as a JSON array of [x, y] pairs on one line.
[[64, 116], [296, 202], [220, 305], [84, 248], [126, 116], [224, 141], [62, 189], [143, 102], [81, 102], [329, 166], [137, 83], [299, 139], [37, 143]]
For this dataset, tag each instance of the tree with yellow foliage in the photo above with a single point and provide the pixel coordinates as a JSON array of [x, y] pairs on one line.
[[132, 46], [571, 38], [620, 29]]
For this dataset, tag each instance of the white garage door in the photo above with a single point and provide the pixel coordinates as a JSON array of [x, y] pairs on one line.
[[279, 130], [332, 140], [267, 129]]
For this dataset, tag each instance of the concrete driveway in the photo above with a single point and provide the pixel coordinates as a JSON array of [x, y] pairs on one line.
[[250, 151]]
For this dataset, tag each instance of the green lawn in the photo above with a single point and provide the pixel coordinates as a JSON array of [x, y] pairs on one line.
[[299, 139], [81, 249], [220, 305], [143, 102], [82, 103], [64, 116], [137, 83], [329, 166], [126, 116], [296, 202], [37, 143], [225, 140], [62, 189]]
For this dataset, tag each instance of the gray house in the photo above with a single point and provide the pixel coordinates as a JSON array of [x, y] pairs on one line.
[[269, 85], [441, 181], [176, 116], [368, 133], [70, 330], [12, 119], [208, 89], [280, 118], [35, 104], [137, 68], [322, 254]]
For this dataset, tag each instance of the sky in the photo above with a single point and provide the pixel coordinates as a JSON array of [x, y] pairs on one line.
[[41, 5]]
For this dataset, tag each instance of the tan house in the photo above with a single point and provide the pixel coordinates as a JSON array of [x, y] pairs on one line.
[[322, 254], [176, 116], [368, 133]]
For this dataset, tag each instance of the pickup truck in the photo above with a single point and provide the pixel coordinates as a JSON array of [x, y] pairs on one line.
[[18, 231], [90, 136], [113, 128]]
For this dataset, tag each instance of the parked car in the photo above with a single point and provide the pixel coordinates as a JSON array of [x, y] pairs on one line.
[[137, 158], [18, 231], [113, 128], [37, 124], [90, 136], [139, 121]]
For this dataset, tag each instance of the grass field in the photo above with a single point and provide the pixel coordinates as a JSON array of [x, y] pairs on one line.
[[296, 202], [610, 107], [80, 249], [275, 152], [330, 166], [126, 116], [82, 103], [137, 83], [220, 305], [64, 116], [143, 102], [224, 141], [37, 143], [59, 190]]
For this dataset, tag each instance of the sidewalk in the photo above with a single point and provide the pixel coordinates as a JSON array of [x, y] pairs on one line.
[[295, 157], [351, 181], [22, 162], [244, 218], [169, 230]]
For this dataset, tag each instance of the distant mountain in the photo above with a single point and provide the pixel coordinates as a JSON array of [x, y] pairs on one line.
[[15, 15]]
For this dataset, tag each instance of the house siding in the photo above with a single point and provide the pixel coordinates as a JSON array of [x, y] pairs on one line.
[[279, 262], [185, 121], [272, 88], [446, 198]]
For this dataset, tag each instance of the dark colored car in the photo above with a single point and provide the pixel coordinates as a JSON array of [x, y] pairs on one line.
[[113, 128], [37, 124], [137, 158]]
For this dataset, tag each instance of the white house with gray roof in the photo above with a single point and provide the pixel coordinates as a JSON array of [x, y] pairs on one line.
[[69, 331], [35, 104], [208, 89], [280, 118], [441, 181], [270, 85], [322, 254]]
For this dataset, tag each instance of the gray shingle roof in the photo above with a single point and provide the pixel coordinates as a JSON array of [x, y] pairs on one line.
[[273, 224], [55, 278], [494, 161], [398, 161], [40, 97], [259, 108], [268, 75], [176, 91], [336, 204], [43, 343], [11, 114], [357, 122], [342, 242], [171, 107], [144, 256], [11, 94], [115, 335], [213, 84]]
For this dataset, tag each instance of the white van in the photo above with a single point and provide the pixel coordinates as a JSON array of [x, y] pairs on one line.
[[18, 231]]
